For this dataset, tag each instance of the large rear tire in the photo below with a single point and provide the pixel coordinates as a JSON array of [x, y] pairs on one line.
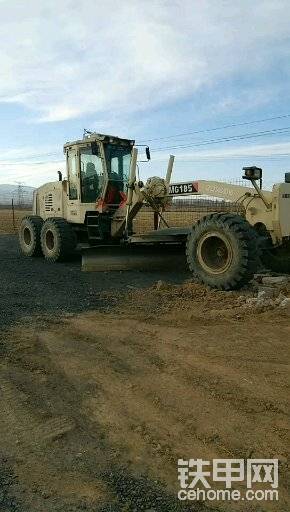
[[223, 251], [58, 240], [29, 235]]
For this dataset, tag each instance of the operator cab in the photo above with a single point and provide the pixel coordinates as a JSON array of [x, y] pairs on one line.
[[98, 170]]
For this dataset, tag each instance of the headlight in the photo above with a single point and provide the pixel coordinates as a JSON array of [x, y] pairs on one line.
[[252, 173]]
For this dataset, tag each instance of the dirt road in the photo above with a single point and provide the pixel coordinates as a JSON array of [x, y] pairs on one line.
[[97, 407], [34, 287]]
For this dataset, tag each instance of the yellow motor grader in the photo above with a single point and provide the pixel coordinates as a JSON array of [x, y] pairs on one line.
[[96, 203]]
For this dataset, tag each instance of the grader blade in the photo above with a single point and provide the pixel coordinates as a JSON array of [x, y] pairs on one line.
[[145, 258]]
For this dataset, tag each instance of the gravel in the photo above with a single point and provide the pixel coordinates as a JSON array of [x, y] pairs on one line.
[[141, 494], [7, 480], [32, 286]]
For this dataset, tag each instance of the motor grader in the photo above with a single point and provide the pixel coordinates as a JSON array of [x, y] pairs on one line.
[[96, 203]]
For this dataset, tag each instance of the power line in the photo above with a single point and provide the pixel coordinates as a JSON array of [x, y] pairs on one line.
[[40, 155], [233, 125], [26, 162], [219, 158], [243, 136], [57, 154]]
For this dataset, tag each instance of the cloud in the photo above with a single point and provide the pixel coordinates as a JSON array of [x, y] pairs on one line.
[[30, 173], [31, 165], [64, 60], [27, 153]]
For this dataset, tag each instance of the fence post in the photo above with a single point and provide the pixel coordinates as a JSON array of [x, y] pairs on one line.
[[13, 215]]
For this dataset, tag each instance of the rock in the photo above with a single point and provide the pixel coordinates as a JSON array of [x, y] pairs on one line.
[[45, 495], [258, 278], [161, 285], [264, 303], [266, 292], [251, 301], [275, 280], [282, 459], [285, 303], [279, 299], [241, 299]]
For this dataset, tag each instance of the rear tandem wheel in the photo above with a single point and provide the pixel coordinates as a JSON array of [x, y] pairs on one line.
[[29, 235], [58, 239]]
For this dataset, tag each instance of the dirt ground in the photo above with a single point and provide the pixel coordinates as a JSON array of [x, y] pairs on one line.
[[97, 407], [7, 225]]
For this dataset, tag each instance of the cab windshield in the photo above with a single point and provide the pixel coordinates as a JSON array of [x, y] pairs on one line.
[[118, 160]]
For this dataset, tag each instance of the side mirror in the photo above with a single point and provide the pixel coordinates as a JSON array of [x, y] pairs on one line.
[[148, 153]]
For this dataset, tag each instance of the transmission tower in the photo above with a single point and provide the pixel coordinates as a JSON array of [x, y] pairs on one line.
[[20, 194]]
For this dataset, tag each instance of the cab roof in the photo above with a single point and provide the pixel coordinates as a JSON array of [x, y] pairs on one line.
[[99, 137]]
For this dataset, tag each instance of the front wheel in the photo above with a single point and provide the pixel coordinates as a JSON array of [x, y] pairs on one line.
[[223, 251], [58, 240]]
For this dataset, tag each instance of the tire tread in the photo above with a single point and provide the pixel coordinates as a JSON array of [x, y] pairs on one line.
[[248, 242], [36, 223], [66, 236]]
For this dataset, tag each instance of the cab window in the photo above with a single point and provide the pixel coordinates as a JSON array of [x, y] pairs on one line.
[[91, 175], [73, 175]]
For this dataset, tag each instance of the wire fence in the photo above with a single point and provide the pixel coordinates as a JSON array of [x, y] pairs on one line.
[[183, 212], [180, 212], [11, 216]]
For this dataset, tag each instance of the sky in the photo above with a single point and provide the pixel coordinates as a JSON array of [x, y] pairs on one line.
[[174, 74]]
